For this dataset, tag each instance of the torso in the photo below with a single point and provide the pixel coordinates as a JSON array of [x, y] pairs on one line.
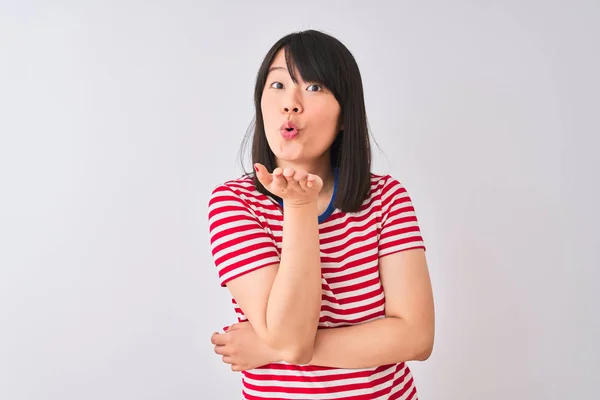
[[351, 294]]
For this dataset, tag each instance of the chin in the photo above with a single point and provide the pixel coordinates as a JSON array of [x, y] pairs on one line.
[[289, 154], [288, 158]]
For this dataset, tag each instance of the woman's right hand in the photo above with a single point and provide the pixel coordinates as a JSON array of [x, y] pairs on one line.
[[294, 187]]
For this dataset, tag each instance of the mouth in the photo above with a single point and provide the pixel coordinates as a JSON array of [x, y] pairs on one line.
[[289, 130]]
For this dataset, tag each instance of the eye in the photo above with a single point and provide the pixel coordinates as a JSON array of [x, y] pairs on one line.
[[319, 88], [280, 85]]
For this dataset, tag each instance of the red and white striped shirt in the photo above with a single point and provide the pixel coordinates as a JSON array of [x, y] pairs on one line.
[[246, 233]]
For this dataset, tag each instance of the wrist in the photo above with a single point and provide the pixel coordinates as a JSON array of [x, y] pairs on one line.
[[300, 204]]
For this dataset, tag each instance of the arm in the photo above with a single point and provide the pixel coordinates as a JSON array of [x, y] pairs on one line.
[[407, 331], [280, 297], [405, 334], [283, 302]]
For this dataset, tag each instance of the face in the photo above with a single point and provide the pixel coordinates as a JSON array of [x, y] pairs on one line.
[[311, 107]]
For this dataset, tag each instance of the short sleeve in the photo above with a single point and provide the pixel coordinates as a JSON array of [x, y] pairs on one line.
[[239, 242], [399, 225]]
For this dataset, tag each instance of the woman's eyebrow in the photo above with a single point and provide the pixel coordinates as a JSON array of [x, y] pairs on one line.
[[275, 68]]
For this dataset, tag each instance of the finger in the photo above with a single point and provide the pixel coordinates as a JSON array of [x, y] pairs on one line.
[[279, 179], [227, 359], [264, 177], [239, 326], [218, 339], [301, 177], [244, 324], [314, 181], [221, 350], [289, 173]]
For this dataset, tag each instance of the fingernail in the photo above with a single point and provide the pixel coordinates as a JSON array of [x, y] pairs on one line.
[[255, 168], [225, 328]]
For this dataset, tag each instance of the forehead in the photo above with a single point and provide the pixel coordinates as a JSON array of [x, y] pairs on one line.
[[279, 59], [279, 65]]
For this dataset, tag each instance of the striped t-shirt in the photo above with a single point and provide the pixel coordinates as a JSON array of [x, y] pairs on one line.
[[246, 234]]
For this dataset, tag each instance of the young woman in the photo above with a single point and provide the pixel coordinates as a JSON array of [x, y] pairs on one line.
[[324, 259]]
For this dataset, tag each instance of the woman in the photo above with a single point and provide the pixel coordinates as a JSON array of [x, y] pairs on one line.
[[323, 258]]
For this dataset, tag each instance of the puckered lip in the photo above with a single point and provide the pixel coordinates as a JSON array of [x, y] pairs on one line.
[[288, 125]]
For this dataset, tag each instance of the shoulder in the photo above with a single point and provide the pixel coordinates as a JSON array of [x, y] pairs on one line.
[[383, 185], [241, 193], [390, 193], [241, 187]]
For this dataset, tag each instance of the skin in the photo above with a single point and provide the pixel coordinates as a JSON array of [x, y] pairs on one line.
[[317, 113], [405, 334], [283, 301], [286, 298]]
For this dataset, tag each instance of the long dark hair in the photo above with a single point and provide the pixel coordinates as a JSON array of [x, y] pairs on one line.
[[323, 59]]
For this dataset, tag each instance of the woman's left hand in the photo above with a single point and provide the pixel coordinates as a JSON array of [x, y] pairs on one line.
[[241, 347]]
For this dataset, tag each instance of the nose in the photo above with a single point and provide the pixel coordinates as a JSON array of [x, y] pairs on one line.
[[293, 110], [291, 105]]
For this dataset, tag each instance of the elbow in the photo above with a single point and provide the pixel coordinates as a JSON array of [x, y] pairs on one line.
[[296, 348], [299, 356], [425, 347], [424, 353], [292, 353]]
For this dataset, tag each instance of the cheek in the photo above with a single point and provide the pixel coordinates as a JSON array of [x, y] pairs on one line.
[[329, 116], [268, 109]]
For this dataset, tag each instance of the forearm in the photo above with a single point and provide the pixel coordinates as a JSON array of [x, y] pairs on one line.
[[295, 299], [384, 341]]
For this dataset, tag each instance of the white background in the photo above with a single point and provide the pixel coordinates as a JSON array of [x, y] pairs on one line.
[[118, 118]]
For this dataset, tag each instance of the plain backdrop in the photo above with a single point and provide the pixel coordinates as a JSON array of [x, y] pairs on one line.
[[117, 119]]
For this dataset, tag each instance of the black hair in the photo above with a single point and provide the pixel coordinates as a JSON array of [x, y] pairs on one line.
[[321, 58]]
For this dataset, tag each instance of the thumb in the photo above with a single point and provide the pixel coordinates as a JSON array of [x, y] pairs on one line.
[[233, 327], [315, 181], [264, 177]]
